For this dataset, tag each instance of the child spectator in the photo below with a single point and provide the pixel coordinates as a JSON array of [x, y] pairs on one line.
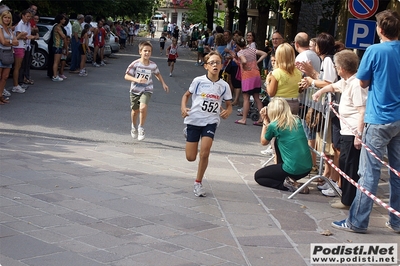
[[123, 35], [139, 73], [172, 54], [200, 52], [83, 48], [163, 39], [64, 55], [204, 115]]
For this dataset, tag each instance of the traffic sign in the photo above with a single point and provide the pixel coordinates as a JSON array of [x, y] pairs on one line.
[[360, 33], [363, 9]]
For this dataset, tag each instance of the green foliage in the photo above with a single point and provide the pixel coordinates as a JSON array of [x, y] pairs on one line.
[[133, 9], [197, 12]]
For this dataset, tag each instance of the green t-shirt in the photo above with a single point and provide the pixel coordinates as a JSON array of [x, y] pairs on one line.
[[293, 146]]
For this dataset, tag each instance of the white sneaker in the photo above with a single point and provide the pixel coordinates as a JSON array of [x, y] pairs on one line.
[[141, 134], [6, 93], [326, 185], [57, 78], [330, 192], [24, 86], [199, 190], [268, 151], [18, 89], [134, 133], [102, 63], [82, 73], [95, 65]]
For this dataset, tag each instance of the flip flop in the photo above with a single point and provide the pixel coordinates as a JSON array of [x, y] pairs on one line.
[[29, 81], [258, 124], [240, 123]]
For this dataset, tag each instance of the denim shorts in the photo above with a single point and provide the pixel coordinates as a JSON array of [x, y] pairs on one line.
[[195, 132], [57, 50]]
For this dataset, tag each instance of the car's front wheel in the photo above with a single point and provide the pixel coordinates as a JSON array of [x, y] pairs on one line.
[[39, 59]]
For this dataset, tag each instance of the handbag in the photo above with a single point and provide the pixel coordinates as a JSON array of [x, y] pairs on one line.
[[7, 56], [238, 75], [224, 74]]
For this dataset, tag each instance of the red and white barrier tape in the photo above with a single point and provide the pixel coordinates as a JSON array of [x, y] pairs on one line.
[[358, 186], [354, 183], [362, 143]]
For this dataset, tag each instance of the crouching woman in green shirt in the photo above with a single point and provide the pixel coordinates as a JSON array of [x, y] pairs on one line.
[[292, 152]]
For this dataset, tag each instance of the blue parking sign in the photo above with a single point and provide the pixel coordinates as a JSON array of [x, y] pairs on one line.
[[360, 33]]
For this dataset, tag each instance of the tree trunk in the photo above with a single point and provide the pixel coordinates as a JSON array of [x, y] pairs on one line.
[[342, 21], [230, 14], [210, 14], [263, 17], [243, 15], [291, 24]]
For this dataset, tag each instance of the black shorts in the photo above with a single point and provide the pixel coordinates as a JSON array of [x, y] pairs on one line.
[[195, 132], [232, 70], [171, 60], [81, 49], [162, 45], [253, 91]]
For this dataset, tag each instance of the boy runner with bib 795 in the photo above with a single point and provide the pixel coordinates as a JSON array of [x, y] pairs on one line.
[[139, 73]]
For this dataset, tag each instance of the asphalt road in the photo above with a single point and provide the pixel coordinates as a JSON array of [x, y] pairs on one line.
[[96, 107]]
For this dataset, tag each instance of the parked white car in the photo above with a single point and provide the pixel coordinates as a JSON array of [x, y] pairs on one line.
[[40, 55]]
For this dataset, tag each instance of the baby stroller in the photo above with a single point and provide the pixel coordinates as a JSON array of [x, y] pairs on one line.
[[254, 113]]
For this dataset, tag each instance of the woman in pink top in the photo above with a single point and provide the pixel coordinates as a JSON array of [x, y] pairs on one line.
[[250, 74]]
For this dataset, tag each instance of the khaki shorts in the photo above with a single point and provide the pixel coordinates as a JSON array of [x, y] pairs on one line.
[[136, 100]]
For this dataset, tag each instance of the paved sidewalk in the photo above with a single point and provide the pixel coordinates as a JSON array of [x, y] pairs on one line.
[[75, 202]]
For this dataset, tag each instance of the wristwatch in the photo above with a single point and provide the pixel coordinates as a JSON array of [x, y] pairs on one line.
[[11, 41], [313, 83]]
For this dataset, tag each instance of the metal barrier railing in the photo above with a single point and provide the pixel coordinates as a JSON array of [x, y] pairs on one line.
[[319, 113]]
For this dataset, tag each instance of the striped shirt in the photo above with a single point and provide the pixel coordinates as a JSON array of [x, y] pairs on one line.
[[138, 70]]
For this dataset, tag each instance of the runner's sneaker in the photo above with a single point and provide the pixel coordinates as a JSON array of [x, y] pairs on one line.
[[6, 93], [18, 89], [388, 225], [342, 225], [199, 190], [141, 134], [57, 78], [102, 63], [185, 132], [134, 133]]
